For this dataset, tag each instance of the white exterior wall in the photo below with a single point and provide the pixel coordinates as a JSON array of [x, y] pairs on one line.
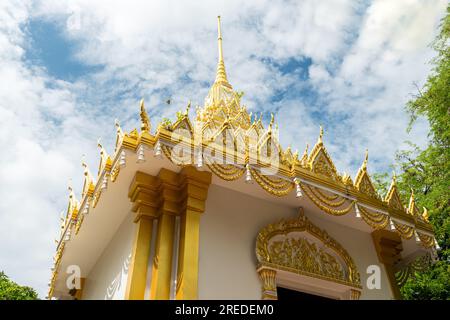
[[228, 230], [108, 278]]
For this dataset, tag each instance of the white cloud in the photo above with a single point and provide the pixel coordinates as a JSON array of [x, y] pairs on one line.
[[365, 58]]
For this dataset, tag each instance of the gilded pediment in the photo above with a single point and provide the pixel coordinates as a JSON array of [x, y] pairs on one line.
[[412, 207], [363, 183], [268, 147], [183, 123], [392, 197], [320, 161]]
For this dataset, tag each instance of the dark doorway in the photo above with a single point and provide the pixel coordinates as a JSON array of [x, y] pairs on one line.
[[292, 295]]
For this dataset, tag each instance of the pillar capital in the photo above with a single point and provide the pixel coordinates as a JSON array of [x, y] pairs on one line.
[[144, 194], [268, 282], [169, 192], [194, 188]]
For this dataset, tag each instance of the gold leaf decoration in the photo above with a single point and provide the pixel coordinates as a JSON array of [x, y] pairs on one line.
[[293, 252]]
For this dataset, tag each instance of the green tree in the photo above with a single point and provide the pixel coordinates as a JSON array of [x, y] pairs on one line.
[[427, 171], [9, 290]]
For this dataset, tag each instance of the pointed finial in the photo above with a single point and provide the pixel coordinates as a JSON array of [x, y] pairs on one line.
[[425, 214], [221, 76], [272, 119], [304, 158], [188, 107], [145, 122], [394, 177], [412, 203], [320, 135], [83, 161], [69, 187], [305, 153], [219, 38], [99, 144], [366, 159]]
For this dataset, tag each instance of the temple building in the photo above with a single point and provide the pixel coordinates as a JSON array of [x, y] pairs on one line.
[[215, 208]]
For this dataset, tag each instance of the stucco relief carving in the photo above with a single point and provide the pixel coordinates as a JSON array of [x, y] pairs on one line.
[[299, 247]]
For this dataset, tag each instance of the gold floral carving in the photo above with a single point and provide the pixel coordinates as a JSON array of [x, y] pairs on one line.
[[177, 159], [333, 201], [364, 185], [405, 231], [276, 186], [115, 172], [320, 162], [269, 285], [374, 219], [79, 223], [96, 198], [355, 294], [420, 264], [325, 205], [299, 255], [226, 172], [426, 240]]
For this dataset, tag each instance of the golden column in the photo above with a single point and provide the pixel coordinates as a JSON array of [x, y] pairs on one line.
[[162, 261], [194, 185], [388, 245], [143, 193]]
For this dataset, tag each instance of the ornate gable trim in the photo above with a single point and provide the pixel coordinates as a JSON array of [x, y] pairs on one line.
[[392, 197], [363, 183], [320, 161], [295, 253]]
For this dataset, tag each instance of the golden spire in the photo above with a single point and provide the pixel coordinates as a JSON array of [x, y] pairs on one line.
[[320, 139], [221, 76], [366, 159], [145, 122]]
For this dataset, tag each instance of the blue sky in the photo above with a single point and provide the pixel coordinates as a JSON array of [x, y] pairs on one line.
[[69, 69]]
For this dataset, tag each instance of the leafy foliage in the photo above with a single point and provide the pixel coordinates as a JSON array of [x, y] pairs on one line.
[[9, 290], [427, 171]]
